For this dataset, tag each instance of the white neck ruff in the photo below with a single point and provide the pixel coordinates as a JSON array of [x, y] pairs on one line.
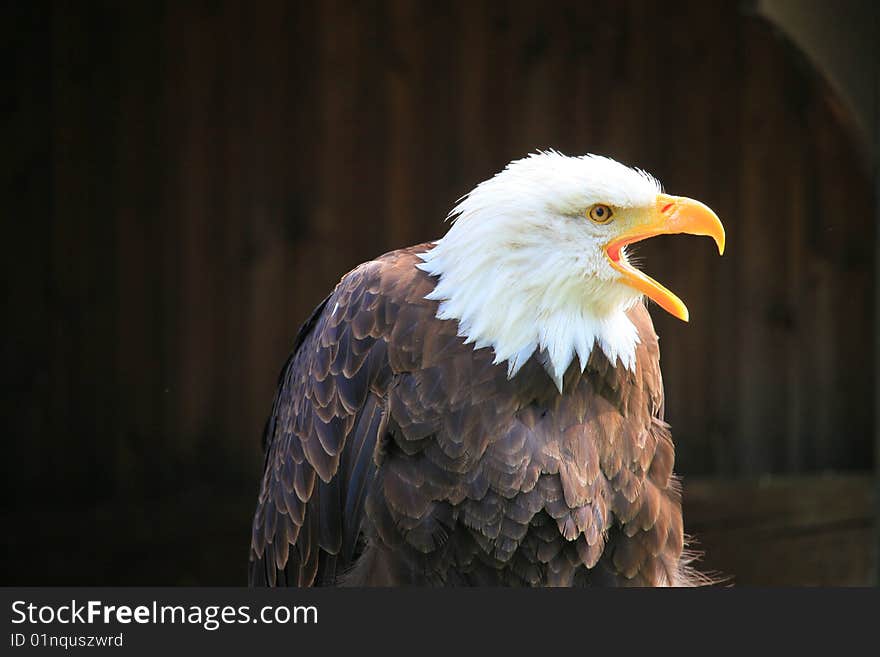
[[502, 300]]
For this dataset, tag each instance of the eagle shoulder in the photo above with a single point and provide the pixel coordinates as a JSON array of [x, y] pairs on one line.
[[326, 415]]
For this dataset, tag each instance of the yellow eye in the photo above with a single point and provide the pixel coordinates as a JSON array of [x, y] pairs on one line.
[[599, 213]]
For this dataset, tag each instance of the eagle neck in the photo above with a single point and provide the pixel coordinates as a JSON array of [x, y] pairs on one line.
[[502, 301]]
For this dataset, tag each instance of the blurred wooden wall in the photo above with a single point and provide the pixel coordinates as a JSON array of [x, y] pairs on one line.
[[184, 181]]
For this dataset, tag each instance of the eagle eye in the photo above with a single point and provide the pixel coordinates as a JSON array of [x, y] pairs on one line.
[[600, 214]]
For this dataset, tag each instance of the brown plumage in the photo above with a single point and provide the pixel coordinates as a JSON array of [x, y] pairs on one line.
[[398, 455]]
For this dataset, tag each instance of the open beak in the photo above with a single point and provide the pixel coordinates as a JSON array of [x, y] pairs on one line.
[[670, 215]]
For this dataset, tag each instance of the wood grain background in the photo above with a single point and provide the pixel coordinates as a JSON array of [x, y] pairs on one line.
[[184, 181]]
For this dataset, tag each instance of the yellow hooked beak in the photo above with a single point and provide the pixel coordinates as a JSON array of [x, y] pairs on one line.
[[670, 215]]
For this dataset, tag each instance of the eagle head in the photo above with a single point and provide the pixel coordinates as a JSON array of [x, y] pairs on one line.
[[536, 259]]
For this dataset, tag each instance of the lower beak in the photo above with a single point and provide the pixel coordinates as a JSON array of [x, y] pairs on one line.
[[670, 215]]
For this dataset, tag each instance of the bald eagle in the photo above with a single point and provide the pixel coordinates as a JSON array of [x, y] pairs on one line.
[[487, 409]]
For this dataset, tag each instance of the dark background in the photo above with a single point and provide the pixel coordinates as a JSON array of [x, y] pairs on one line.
[[183, 181]]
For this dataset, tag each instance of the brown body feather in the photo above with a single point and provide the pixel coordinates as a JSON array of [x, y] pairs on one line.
[[397, 455]]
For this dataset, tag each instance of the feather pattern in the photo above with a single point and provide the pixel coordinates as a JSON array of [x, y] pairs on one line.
[[399, 453]]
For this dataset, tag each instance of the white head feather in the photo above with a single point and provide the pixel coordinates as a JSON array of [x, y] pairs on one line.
[[522, 269]]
